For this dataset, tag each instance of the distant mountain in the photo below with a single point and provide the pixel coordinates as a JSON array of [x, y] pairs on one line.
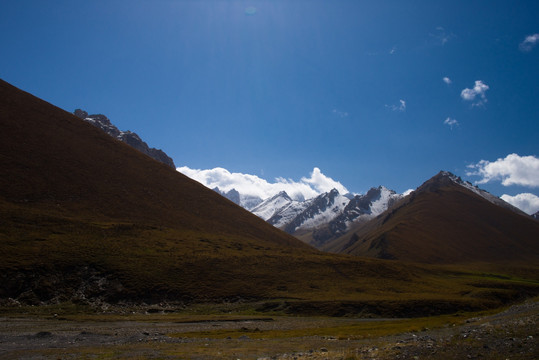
[[326, 216], [270, 207], [445, 220], [360, 209], [318, 211], [130, 138], [246, 201]]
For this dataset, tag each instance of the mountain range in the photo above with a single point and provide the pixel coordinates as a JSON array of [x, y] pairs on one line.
[[86, 218], [325, 217], [315, 221], [329, 216]]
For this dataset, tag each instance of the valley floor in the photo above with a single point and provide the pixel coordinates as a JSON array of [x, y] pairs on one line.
[[510, 334]]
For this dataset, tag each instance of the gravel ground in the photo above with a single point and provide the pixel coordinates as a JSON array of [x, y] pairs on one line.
[[511, 334]]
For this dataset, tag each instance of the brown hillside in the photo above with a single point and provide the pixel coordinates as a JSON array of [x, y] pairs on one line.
[[444, 222]]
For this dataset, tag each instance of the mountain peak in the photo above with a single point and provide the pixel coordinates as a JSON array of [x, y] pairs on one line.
[[281, 194], [445, 178], [442, 179]]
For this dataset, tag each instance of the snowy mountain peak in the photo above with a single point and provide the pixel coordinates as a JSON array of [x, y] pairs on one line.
[[318, 211], [359, 209], [248, 202], [283, 194], [272, 206], [333, 192]]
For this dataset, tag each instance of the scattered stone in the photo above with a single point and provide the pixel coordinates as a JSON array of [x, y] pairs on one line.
[[43, 334]]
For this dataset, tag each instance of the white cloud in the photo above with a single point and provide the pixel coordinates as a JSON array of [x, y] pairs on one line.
[[247, 184], [478, 91], [322, 183], [401, 106], [529, 203], [451, 122], [529, 43], [440, 36], [447, 80], [513, 170], [339, 113], [250, 10], [393, 50], [408, 192]]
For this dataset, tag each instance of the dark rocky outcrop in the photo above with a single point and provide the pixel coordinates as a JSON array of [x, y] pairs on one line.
[[128, 137]]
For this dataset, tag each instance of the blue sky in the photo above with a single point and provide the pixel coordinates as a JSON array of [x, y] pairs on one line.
[[276, 88]]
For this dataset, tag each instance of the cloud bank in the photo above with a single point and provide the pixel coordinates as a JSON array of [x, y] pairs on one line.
[[529, 43], [478, 91], [447, 80], [512, 170], [529, 203], [305, 188]]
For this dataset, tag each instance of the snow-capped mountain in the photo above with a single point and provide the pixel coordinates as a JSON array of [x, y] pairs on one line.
[[272, 206], [361, 208], [326, 216], [319, 211], [247, 202], [331, 215], [128, 137]]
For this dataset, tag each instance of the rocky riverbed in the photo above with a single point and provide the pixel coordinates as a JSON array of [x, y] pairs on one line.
[[510, 334]]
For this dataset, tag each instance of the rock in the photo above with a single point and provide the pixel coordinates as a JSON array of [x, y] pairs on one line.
[[43, 334]]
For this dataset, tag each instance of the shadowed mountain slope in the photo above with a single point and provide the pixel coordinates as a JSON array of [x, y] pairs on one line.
[[75, 200], [57, 162], [446, 221]]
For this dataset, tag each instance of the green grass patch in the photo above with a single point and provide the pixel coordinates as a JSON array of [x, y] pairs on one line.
[[350, 330]]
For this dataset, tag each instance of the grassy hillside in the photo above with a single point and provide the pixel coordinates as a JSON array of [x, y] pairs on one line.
[[86, 218], [445, 223]]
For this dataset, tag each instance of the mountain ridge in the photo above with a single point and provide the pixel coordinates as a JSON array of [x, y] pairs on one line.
[[322, 218], [102, 122]]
